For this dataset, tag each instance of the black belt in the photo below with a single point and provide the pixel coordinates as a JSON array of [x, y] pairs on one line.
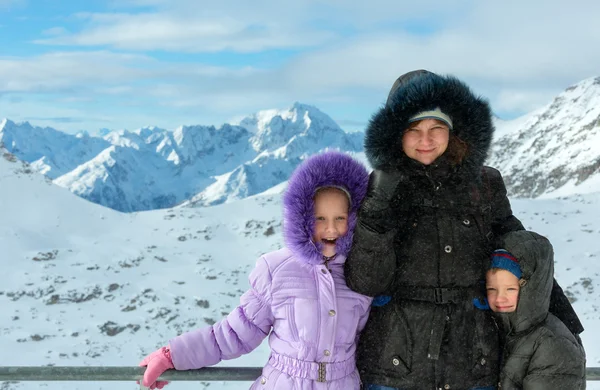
[[437, 295]]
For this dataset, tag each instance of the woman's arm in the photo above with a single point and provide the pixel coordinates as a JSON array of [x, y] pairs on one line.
[[503, 220], [371, 263]]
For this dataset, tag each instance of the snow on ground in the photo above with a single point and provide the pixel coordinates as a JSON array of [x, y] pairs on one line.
[[91, 286]]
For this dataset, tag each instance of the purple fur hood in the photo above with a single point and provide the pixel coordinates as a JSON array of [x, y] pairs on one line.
[[330, 168]]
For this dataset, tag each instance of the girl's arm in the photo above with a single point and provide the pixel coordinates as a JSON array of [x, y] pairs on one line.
[[239, 333]]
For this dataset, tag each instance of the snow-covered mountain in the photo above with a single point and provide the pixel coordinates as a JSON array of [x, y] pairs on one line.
[[49, 151], [154, 168], [103, 288], [554, 151]]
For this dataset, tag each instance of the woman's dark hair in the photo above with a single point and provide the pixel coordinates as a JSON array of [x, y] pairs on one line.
[[457, 149]]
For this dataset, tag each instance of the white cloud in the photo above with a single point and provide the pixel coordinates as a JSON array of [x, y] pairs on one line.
[[517, 54], [55, 31], [67, 71], [523, 100], [176, 30], [498, 48]]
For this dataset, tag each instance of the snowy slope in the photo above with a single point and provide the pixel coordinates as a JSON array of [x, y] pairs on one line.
[[99, 287], [554, 151]]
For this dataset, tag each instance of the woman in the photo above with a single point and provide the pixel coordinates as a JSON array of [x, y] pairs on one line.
[[425, 232]]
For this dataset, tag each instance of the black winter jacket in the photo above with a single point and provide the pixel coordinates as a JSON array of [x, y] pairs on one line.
[[539, 352], [445, 219]]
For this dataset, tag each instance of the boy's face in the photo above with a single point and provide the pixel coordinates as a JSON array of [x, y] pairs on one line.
[[331, 219], [502, 290]]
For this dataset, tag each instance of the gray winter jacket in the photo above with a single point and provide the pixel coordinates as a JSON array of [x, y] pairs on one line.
[[539, 352]]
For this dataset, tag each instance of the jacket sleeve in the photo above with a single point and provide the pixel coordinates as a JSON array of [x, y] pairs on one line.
[[561, 307], [240, 332], [503, 220], [557, 363], [371, 263]]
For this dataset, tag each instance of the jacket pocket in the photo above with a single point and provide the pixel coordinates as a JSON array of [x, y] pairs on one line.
[[284, 324], [386, 343]]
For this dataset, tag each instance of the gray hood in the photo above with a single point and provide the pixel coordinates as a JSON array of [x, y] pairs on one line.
[[536, 258]]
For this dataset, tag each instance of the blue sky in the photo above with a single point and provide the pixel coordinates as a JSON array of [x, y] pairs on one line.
[[130, 63]]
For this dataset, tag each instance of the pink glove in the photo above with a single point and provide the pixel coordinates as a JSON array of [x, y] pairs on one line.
[[157, 362]]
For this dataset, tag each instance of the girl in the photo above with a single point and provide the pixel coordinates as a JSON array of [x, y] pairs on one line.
[[298, 295]]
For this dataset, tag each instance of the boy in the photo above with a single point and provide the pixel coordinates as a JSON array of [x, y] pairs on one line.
[[539, 351]]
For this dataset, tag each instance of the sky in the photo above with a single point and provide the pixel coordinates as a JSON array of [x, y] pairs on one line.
[[118, 64]]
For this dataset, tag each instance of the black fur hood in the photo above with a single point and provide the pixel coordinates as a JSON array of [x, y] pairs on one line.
[[419, 91]]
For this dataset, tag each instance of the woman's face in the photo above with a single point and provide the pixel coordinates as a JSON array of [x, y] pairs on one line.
[[425, 140]]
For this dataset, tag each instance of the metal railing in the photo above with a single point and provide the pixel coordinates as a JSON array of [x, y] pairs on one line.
[[88, 373], [108, 373]]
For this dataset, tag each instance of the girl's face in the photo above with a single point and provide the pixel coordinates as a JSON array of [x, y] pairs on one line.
[[331, 219], [425, 140], [502, 290]]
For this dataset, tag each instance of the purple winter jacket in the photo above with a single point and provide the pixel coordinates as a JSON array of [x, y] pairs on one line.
[[311, 317]]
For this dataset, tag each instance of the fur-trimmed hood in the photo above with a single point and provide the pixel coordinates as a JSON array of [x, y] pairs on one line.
[[419, 91], [322, 170]]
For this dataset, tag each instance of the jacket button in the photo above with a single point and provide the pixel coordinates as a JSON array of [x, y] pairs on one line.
[[447, 249], [323, 270], [263, 381], [482, 361], [466, 222], [326, 352], [396, 361], [446, 386], [331, 313]]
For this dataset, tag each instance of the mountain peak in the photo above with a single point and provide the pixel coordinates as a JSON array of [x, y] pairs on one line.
[[305, 107], [9, 124], [274, 128], [586, 88], [550, 152]]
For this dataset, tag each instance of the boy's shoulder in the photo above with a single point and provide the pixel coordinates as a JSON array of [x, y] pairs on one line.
[[553, 338]]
